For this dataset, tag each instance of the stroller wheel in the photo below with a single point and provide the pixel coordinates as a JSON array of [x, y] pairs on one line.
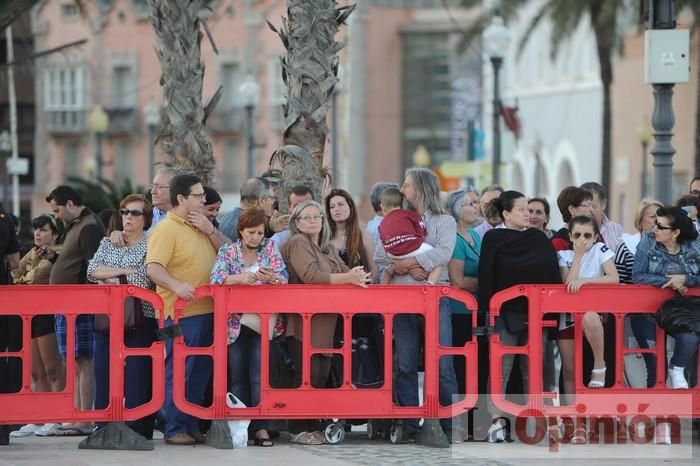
[[334, 433], [371, 430], [395, 433]]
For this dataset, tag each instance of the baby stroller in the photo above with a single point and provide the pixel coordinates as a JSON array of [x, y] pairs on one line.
[[367, 365]]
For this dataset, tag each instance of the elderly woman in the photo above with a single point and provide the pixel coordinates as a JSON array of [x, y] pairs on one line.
[[251, 260], [421, 190], [311, 258], [643, 325], [34, 269], [107, 266], [669, 257]]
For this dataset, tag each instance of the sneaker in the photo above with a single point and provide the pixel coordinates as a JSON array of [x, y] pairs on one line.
[[47, 430], [677, 378], [497, 431], [25, 431]]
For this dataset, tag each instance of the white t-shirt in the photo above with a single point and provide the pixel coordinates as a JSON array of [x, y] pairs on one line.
[[591, 267]]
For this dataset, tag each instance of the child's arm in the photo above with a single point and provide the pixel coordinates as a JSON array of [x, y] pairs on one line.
[[387, 275], [434, 275]]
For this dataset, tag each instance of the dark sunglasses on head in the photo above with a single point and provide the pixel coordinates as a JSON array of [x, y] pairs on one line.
[[577, 235], [133, 212], [662, 227]]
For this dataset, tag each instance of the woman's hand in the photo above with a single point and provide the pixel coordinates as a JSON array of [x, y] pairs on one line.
[[358, 276], [677, 282], [267, 276], [245, 278]]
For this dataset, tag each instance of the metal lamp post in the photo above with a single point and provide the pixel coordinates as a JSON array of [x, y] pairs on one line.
[[645, 133], [250, 94], [99, 122], [496, 40], [5, 149], [151, 115]]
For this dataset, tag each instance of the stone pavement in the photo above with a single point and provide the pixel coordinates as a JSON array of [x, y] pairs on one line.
[[355, 450]]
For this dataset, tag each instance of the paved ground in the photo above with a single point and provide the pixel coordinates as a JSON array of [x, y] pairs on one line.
[[355, 450]]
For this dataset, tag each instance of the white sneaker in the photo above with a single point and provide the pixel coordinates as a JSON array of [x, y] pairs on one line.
[[47, 430], [497, 432], [677, 378], [25, 431]]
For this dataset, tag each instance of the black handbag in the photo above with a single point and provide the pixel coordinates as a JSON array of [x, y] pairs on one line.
[[680, 315], [133, 313]]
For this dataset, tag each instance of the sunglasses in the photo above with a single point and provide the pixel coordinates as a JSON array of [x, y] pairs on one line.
[[133, 212], [662, 227], [577, 235]]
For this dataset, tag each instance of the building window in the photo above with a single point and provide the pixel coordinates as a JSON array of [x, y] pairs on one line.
[[124, 161], [230, 177], [65, 96], [123, 87], [70, 11], [441, 91], [230, 79], [71, 159]]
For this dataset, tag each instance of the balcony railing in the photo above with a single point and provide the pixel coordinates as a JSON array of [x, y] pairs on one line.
[[122, 121], [66, 121], [227, 120]]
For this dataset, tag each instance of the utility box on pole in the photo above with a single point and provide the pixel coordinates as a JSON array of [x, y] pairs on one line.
[[666, 56]]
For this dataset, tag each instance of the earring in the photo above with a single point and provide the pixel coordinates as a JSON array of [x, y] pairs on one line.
[[675, 237]]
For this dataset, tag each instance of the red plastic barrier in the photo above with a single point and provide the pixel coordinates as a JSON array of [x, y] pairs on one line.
[[347, 401], [616, 300], [71, 301]]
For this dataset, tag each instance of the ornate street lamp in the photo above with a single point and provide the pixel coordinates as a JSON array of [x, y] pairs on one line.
[[496, 41], [99, 122]]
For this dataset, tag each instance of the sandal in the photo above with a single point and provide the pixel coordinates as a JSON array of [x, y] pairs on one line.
[[263, 441], [305, 438], [580, 436], [601, 375]]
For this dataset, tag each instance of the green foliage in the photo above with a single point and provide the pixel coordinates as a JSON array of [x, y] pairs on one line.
[[103, 194]]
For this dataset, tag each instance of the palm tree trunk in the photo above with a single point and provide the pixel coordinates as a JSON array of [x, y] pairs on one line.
[[697, 99], [604, 44], [310, 71], [183, 138]]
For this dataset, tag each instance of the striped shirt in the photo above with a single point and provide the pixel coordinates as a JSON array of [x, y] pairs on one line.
[[611, 232]]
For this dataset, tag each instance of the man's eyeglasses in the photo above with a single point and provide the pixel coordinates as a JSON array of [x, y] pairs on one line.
[[311, 218], [133, 212], [662, 227], [578, 235], [158, 187], [202, 196]]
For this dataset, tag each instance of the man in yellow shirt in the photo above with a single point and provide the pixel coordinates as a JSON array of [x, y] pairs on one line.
[[180, 258]]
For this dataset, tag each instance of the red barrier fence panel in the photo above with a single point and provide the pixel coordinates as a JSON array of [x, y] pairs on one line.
[[347, 401], [618, 301], [27, 406]]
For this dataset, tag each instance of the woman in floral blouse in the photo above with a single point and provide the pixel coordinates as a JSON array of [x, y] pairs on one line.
[[252, 260]]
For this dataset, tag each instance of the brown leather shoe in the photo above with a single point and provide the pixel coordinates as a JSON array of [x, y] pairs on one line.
[[180, 439], [198, 437]]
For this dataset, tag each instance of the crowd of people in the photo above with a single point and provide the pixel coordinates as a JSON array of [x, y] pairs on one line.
[[174, 241]]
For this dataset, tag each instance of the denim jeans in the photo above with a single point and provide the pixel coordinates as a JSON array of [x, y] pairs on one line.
[[197, 331], [686, 346], [644, 329], [137, 373], [244, 371], [406, 344]]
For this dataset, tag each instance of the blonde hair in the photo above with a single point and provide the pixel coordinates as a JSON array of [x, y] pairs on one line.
[[324, 238], [646, 202]]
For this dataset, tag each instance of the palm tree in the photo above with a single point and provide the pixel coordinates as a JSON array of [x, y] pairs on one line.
[[310, 72], [564, 16], [102, 193], [183, 137]]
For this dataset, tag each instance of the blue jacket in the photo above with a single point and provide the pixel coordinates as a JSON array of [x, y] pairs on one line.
[[652, 257]]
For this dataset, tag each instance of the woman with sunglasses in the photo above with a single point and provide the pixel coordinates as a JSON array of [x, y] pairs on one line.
[[669, 257], [34, 269], [588, 262], [108, 264]]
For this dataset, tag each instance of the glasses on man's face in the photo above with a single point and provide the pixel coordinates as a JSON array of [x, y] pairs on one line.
[[158, 187], [202, 196], [578, 235], [132, 212], [662, 227], [311, 218]]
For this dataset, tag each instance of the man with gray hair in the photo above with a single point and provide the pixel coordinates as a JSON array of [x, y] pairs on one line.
[[375, 198], [609, 230], [255, 192]]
